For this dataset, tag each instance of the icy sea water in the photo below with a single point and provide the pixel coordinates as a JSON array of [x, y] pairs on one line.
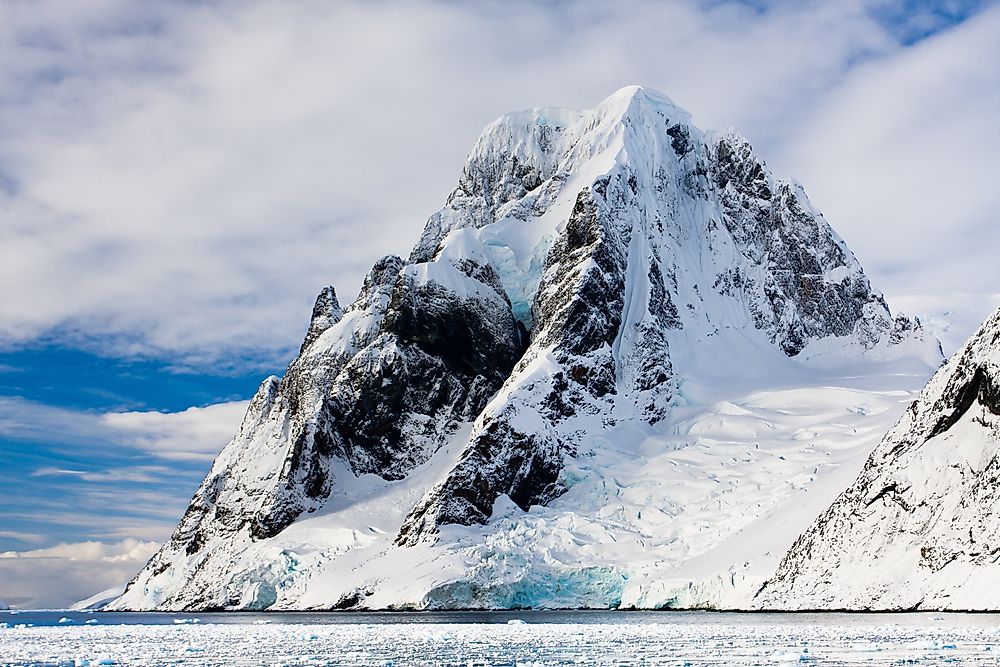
[[497, 638]]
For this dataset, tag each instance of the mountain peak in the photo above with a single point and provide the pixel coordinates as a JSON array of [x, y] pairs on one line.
[[590, 270], [634, 96]]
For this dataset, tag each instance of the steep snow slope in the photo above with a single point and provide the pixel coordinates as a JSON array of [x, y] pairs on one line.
[[919, 528], [511, 402]]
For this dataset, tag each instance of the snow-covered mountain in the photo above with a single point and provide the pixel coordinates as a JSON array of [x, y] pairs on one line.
[[614, 349], [920, 527]]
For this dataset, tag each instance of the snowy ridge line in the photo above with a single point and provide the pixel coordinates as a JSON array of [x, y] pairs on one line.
[[621, 349]]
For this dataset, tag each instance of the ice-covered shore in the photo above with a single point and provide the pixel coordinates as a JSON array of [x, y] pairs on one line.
[[518, 639]]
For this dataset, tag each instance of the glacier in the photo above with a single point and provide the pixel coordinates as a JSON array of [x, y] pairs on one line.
[[624, 366]]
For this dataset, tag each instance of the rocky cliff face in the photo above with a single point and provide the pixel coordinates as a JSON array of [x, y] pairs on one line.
[[581, 255], [919, 528]]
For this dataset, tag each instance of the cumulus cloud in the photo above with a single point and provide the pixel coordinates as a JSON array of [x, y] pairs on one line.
[[125, 550], [193, 434], [180, 179], [61, 575]]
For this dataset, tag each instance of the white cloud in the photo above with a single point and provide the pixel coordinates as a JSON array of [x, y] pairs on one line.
[[140, 502], [193, 434], [22, 536], [122, 474], [100, 514], [21, 419], [59, 576], [181, 179], [99, 476], [125, 550]]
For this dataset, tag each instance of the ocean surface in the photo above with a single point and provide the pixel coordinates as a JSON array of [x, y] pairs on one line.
[[496, 638]]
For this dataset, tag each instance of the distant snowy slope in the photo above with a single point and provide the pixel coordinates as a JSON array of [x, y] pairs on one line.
[[98, 600], [920, 527], [542, 380]]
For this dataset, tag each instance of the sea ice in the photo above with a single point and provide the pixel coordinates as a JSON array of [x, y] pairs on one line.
[[548, 639]]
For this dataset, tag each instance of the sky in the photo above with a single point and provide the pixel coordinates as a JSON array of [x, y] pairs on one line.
[[178, 180]]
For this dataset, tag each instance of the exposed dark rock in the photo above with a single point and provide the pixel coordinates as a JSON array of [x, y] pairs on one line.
[[326, 312]]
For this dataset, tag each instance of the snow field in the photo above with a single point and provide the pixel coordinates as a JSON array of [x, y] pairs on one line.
[[696, 514]]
